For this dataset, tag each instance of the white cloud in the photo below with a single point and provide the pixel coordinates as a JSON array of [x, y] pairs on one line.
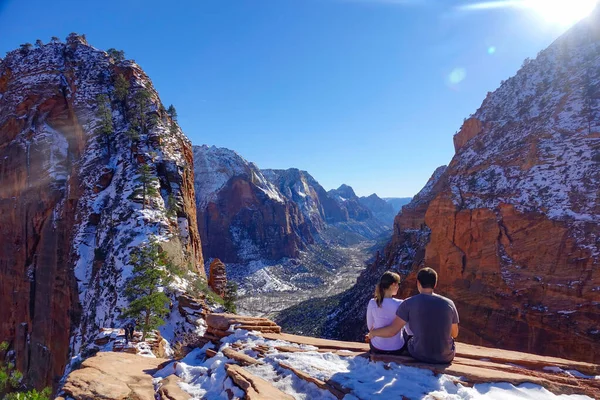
[[487, 5]]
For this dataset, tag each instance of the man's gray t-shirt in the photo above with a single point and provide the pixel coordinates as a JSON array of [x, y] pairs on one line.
[[430, 317]]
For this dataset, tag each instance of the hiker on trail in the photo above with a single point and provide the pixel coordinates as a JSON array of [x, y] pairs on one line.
[[381, 312], [129, 328], [433, 320]]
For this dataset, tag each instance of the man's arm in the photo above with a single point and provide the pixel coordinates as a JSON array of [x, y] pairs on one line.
[[390, 330], [454, 331], [455, 321]]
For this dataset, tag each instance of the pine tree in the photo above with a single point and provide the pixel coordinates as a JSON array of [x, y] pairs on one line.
[[148, 304], [116, 55], [121, 88], [104, 113], [25, 48], [230, 296], [139, 118], [147, 180], [54, 40], [172, 112], [39, 43]]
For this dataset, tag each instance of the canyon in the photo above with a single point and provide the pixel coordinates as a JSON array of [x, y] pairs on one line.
[[511, 224]]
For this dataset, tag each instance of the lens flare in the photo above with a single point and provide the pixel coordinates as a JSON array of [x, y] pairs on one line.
[[457, 75]]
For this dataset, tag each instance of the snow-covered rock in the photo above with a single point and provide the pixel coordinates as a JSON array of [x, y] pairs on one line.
[[71, 205]]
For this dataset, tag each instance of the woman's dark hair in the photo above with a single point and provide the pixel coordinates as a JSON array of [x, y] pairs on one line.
[[427, 277], [386, 280]]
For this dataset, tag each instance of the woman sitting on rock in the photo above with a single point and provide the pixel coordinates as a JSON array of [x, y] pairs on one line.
[[382, 311]]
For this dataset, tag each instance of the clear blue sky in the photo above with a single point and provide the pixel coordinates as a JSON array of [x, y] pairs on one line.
[[353, 91]]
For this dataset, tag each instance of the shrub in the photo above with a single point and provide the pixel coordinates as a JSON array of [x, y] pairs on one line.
[[116, 55], [199, 287]]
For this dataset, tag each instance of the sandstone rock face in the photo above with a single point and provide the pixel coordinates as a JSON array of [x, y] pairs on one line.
[[471, 128], [511, 225], [70, 211], [217, 278], [241, 215]]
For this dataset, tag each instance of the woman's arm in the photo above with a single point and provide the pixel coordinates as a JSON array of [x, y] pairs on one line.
[[370, 315]]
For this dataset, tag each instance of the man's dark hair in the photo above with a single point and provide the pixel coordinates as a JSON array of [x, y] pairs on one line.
[[427, 277]]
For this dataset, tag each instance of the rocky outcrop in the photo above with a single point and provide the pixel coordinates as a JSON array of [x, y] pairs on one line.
[[114, 376], [262, 362], [255, 388], [266, 365], [511, 225], [471, 128], [221, 325], [217, 278], [241, 215], [70, 204]]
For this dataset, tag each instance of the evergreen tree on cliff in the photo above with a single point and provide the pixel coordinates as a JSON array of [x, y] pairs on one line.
[[173, 114], [147, 180], [121, 88], [148, 303], [104, 113], [116, 55], [139, 118]]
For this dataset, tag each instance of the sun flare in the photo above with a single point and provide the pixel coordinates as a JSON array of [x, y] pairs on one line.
[[563, 12], [559, 12]]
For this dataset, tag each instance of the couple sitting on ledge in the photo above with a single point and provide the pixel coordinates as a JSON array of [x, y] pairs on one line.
[[423, 326]]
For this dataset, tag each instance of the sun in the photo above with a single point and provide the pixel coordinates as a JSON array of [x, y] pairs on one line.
[[562, 12]]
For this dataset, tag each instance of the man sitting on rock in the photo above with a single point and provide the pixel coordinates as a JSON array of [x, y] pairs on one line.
[[433, 320]]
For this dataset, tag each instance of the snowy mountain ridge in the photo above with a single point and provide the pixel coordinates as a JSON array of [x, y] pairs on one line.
[[74, 196]]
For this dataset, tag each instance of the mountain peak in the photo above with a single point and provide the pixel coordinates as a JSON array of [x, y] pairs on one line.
[[344, 191]]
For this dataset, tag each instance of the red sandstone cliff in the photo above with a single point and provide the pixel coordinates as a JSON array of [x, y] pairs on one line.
[[513, 224], [70, 210], [241, 215]]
